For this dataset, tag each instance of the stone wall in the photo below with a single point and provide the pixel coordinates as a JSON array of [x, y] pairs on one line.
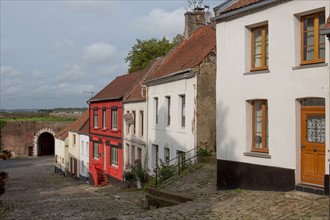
[[206, 102], [18, 136]]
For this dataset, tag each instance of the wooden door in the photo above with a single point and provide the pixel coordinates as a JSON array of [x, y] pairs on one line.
[[313, 145]]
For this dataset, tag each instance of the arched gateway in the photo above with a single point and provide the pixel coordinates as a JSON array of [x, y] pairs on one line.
[[44, 142]]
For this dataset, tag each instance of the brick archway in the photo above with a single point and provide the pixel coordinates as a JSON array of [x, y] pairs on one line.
[[44, 142]]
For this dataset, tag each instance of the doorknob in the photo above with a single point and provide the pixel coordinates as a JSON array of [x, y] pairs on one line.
[[314, 149], [302, 146]]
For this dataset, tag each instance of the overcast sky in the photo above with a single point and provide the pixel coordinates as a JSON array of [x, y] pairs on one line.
[[53, 51]]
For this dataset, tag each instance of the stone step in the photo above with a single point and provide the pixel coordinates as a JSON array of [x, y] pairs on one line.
[[168, 196]]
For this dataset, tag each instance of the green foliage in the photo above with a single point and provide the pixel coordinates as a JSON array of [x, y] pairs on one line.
[[238, 190], [138, 171], [2, 123], [144, 51], [165, 171], [203, 152]]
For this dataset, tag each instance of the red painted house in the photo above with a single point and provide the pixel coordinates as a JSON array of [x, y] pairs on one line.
[[105, 128]]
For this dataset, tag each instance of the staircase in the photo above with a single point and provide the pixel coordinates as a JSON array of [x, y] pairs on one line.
[[157, 199], [102, 180]]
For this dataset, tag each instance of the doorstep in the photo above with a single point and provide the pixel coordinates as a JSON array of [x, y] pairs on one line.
[[318, 190]]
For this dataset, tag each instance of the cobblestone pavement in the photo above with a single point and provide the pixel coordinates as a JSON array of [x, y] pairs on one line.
[[34, 191]]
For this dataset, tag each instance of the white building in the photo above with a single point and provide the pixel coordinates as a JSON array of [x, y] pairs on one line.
[[135, 122], [84, 151], [61, 151], [272, 95], [181, 95], [74, 144]]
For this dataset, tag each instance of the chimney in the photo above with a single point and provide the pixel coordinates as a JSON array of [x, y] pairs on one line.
[[193, 20]]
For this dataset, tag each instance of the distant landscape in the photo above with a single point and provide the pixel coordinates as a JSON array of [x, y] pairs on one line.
[[56, 114]]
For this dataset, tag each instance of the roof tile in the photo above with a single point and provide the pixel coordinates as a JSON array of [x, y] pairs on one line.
[[240, 4], [188, 54]]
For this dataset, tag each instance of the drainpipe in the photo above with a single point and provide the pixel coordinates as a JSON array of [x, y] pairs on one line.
[[146, 126]]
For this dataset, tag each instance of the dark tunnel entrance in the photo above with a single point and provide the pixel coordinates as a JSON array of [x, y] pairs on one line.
[[46, 144]]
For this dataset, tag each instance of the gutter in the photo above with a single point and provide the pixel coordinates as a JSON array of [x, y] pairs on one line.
[[105, 99], [245, 10], [172, 74]]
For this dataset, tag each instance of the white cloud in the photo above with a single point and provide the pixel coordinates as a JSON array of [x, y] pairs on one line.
[[161, 22], [9, 71], [71, 72], [99, 53], [104, 8]]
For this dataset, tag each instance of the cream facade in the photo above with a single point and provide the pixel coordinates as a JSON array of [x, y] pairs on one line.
[[135, 133], [74, 153], [61, 155], [286, 85]]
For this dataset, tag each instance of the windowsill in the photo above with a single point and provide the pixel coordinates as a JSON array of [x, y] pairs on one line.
[[306, 66], [256, 72], [114, 131], [256, 154], [114, 167]]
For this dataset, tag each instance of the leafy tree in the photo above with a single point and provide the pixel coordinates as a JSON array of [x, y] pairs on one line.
[[144, 51]]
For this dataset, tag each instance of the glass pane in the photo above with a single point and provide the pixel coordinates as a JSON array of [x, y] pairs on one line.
[[315, 129], [257, 35], [257, 61], [258, 124], [309, 38], [322, 51], [257, 47], [321, 20], [309, 53], [309, 23]]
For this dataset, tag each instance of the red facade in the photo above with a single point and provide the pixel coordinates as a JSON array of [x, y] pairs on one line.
[[107, 139]]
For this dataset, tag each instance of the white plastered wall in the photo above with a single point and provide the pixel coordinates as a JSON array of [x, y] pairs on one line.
[[174, 136], [84, 154], [282, 86], [74, 149], [62, 154], [139, 138]]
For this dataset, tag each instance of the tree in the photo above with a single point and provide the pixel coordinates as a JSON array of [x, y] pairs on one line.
[[192, 4], [144, 51]]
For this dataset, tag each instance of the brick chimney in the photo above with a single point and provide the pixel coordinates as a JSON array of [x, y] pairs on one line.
[[193, 20]]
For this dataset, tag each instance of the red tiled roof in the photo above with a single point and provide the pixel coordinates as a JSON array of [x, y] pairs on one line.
[[136, 93], [188, 54], [240, 4], [79, 123], [63, 133], [118, 87], [85, 128]]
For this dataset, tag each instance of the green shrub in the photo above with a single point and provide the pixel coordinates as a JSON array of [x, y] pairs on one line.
[[165, 171], [203, 152]]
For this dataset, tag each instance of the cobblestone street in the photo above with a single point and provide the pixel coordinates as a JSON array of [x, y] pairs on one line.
[[34, 191]]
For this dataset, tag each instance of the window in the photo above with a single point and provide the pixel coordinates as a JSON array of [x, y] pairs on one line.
[[156, 110], [95, 120], [132, 154], [114, 119], [166, 154], [141, 122], [183, 110], [154, 155], [104, 118], [127, 125], [260, 126], [168, 100], [82, 147], [95, 150], [134, 123], [312, 42], [86, 147], [259, 48], [74, 139], [114, 156], [139, 154]]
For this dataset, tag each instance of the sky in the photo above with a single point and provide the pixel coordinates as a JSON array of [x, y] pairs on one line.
[[58, 53]]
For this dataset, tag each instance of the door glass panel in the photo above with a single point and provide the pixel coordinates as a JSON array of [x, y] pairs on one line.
[[315, 129]]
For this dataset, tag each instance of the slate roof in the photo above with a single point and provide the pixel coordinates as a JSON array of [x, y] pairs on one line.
[[136, 94], [188, 54], [118, 88]]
